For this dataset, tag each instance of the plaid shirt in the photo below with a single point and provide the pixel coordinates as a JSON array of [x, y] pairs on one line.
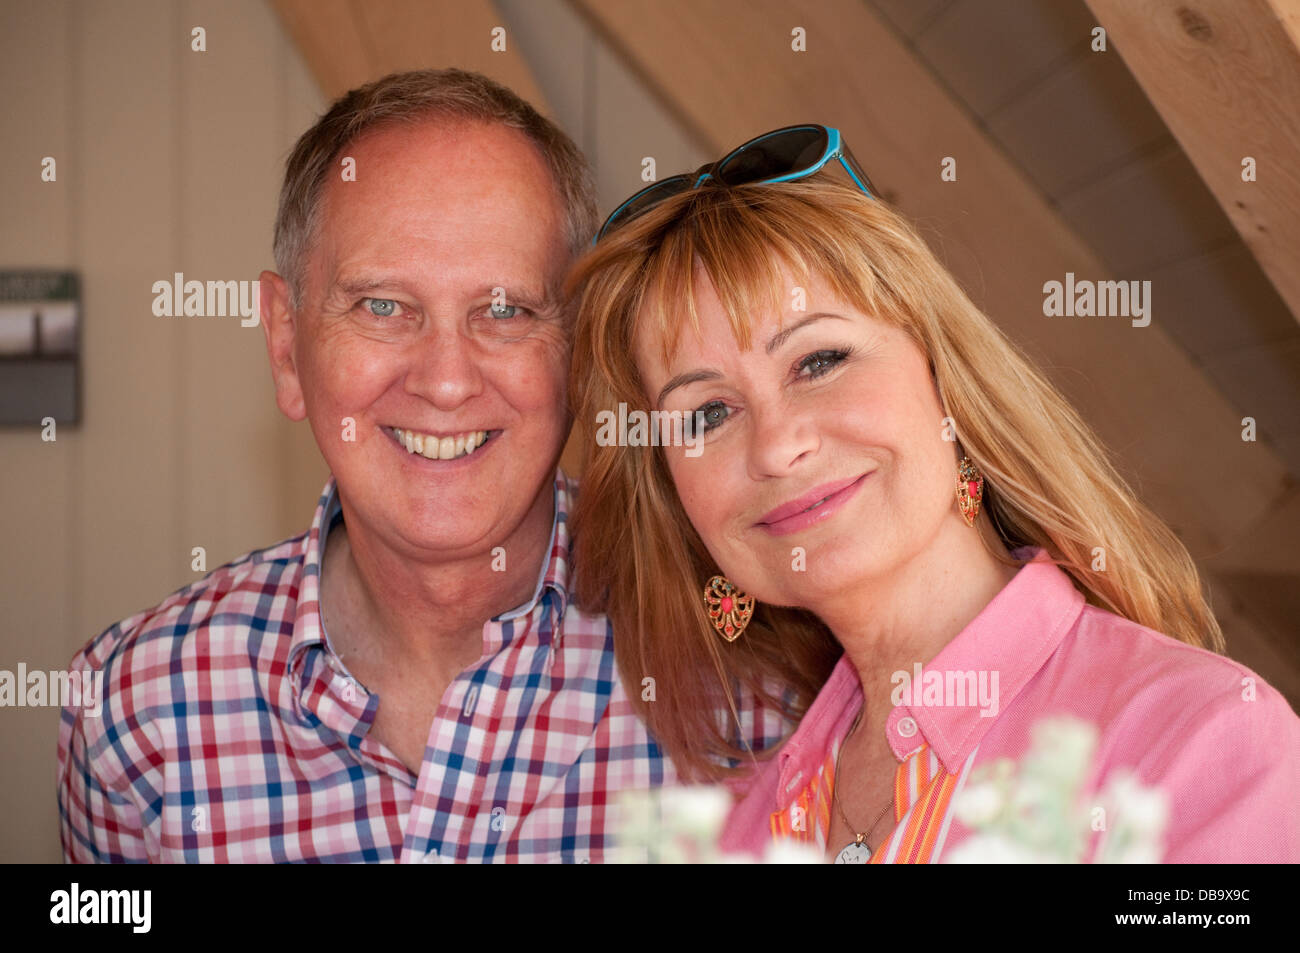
[[231, 731]]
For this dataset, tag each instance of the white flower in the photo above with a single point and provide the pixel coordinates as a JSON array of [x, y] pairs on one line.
[[698, 809], [1142, 807], [979, 803], [1034, 812], [792, 852], [994, 849]]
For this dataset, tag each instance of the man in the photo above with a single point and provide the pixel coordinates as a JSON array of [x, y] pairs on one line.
[[408, 680]]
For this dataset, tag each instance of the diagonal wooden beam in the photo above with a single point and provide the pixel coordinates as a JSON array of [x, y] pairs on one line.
[[350, 42], [1225, 77]]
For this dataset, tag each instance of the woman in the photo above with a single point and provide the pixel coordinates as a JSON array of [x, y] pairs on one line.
[[872, 473]]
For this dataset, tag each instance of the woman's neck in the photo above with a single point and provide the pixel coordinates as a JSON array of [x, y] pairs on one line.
[[891, 622]]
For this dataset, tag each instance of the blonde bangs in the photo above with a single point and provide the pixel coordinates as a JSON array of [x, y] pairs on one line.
[[742, 238]]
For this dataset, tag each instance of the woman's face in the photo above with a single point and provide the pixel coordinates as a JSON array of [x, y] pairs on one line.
[[823, 462]]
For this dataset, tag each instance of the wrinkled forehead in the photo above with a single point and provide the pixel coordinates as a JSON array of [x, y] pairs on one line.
[[473, 188]]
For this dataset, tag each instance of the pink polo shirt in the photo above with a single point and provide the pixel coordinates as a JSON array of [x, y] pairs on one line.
[[1182, 718]]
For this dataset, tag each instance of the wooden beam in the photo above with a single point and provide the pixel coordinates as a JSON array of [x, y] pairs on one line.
[[350, 42], [1225, 77]]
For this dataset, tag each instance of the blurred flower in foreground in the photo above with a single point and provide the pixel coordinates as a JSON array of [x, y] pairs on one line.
[[681, 825], [1040, 815]]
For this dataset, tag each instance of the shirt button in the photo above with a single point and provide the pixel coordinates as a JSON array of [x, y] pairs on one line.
[[906, 727], [471, 701]]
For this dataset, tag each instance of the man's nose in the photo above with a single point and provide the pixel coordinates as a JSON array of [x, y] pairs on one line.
[[445, 367], [779, 439]]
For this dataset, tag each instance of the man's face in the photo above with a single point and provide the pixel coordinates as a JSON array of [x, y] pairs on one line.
[[429, 311]]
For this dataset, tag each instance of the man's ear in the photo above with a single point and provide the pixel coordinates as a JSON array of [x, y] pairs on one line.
[[280, 326]]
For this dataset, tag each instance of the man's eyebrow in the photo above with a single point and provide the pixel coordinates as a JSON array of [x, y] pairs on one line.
[[529, 297], [359, 284], [784, 334], [681, 380]]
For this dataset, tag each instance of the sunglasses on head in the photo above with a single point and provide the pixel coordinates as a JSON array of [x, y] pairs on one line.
[[782, 155]]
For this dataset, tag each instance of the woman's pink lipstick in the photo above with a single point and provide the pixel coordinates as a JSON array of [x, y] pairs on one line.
[[804, 512]]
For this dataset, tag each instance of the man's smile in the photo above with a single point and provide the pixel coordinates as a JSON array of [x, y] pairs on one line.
[[440, 446]]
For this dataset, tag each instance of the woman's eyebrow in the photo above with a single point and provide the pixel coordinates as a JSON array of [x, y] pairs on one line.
[[783, 335], [700, 374], [690, 377]]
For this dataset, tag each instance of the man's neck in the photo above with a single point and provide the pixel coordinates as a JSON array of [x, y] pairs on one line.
[[381, 606]]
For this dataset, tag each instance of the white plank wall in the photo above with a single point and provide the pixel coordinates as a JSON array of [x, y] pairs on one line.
[[168, 160]]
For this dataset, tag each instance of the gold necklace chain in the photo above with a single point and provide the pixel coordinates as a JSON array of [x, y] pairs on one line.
[[858, 839]]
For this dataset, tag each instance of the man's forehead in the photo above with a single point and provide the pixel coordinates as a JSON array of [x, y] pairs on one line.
[[469, 216], [489, 167]]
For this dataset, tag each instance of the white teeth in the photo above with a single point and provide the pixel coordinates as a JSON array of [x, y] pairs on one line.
[[440, 448]]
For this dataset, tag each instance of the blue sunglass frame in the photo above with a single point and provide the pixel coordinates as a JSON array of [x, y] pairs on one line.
[[835, 148]]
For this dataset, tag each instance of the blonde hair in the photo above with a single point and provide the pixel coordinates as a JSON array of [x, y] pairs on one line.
[[1048, 480]]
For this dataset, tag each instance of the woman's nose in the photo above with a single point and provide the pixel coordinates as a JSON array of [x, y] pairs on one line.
[[779, 439]]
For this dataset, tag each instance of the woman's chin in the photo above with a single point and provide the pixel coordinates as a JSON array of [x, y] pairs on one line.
[[807, 591]]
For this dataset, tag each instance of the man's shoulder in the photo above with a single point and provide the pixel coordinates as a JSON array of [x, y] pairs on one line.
[[212, 624]]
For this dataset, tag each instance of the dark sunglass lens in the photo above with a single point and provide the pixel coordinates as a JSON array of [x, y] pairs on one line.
[[773, 156], [645, 199]]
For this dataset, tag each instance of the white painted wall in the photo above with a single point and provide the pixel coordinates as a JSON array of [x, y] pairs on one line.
[[168, 160]]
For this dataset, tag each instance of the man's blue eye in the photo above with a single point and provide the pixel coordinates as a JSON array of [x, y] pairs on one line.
[[381, 307], [503, 311]]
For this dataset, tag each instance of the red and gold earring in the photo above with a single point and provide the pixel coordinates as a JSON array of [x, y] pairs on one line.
[[970, 490], [729, 609]]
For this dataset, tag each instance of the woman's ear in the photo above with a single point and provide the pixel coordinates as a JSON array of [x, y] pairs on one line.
[[948, 426]]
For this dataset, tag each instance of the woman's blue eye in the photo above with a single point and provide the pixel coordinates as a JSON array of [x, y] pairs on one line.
[[381, 307], [822, 362], [713, 414], [503, 311]]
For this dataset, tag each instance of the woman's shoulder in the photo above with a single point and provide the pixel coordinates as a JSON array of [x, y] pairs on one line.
[[1160, 689], [1206, 729], [1122, 652]]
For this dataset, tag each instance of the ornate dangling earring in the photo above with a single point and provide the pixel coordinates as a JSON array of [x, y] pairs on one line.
[[970, 490], [729, 609]]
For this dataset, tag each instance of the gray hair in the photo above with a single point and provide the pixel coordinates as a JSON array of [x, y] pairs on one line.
[[411, 97]]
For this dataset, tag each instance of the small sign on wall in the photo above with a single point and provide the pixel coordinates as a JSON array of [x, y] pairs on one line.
[[40, 347]]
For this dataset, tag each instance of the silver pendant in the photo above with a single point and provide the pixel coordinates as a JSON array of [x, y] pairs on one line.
[[854, 853]]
